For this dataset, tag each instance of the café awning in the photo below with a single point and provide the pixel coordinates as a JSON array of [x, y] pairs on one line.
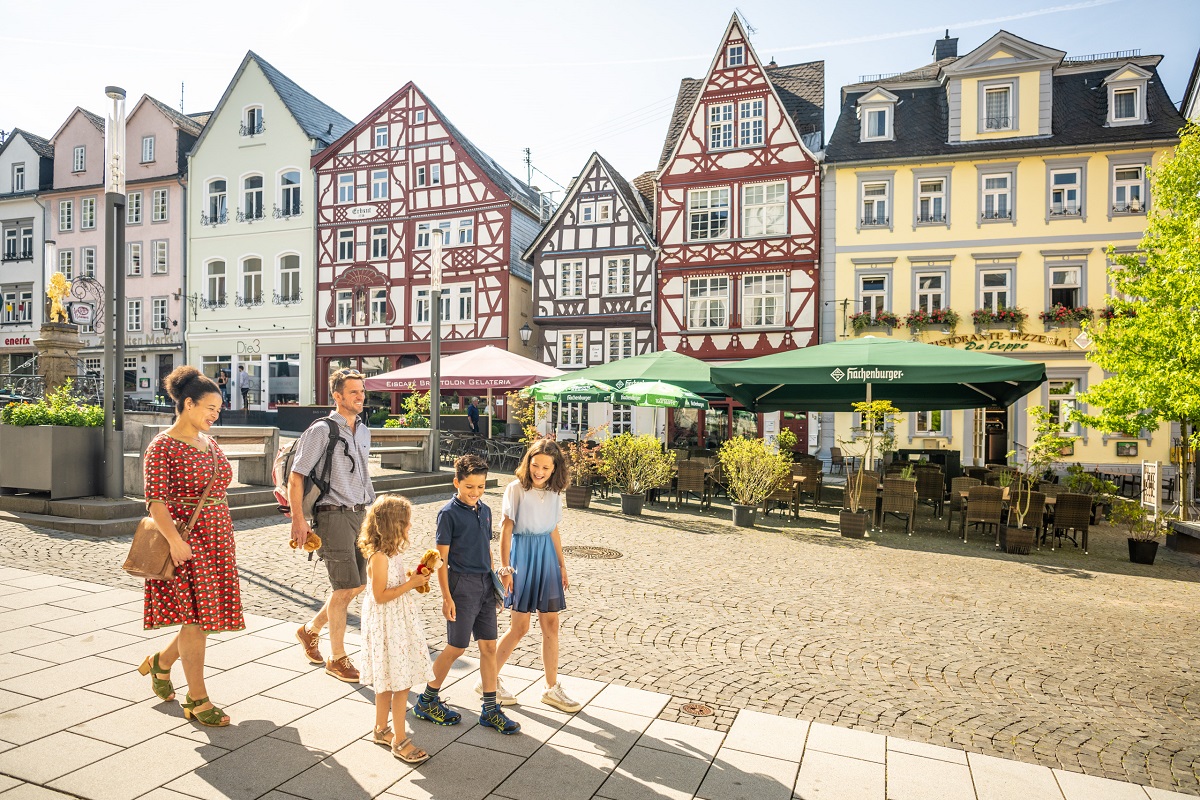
[[480, 370]]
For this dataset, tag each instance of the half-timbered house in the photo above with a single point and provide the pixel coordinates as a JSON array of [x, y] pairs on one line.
[[738, 217], [593, 283], [396, 179]]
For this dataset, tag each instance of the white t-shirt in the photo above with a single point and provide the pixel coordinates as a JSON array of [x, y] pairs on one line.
[[532, 510]]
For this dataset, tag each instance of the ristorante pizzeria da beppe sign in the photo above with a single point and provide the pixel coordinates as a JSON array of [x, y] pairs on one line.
[[1004, 341]]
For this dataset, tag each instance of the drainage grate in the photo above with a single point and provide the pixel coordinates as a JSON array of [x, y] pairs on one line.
[[696, 710], [588, 551]]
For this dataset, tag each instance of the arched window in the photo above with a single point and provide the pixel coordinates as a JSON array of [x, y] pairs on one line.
[[214, 273], [252, 121], [218, 208], [252, 197], [289, 279], [251, 294], [289, 193]]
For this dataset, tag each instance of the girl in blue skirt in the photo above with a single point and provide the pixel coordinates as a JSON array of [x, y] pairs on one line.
[[533, 571]]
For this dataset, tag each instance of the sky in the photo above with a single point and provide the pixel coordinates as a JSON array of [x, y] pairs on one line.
[[560, 78]]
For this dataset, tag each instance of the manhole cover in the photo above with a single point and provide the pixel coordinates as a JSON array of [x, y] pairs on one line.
[[588, 551], [697, 710]]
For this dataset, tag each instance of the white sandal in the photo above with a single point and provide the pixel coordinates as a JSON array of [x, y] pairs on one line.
[[411, 758]]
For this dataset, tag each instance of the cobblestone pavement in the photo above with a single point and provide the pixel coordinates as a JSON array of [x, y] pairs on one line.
[[1088, 663]]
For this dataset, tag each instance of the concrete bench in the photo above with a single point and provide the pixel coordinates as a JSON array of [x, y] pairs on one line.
[[402, 448], [253, 465]]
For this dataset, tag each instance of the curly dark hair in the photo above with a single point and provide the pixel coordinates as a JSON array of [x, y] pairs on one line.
[[188, 383]]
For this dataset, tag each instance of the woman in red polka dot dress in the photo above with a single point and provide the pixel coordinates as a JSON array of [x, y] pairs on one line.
[[204, 597]]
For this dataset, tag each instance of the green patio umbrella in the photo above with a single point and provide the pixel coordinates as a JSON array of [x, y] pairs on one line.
[[571, 390], [666, 365], [657, 394], [913, 375]]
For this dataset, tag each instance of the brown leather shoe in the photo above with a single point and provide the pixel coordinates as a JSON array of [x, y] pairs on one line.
[[310, 641], [342, 669]]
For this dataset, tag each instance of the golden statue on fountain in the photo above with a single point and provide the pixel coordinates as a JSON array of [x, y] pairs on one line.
[[58, 289]]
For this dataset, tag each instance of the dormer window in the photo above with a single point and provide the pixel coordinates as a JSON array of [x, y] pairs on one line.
[[1127, 95], [735, 56], [875, 113]]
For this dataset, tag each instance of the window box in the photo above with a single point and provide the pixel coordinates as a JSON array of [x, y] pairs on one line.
[[1109, 313], [946, 317], [1061, 316], [863, 320], [1007, 316]]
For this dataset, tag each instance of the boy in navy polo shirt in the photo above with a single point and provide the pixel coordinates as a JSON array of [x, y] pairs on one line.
[[464, 537]]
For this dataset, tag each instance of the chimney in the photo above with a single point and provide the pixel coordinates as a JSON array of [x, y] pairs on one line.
[[772, 64], [945, 48]]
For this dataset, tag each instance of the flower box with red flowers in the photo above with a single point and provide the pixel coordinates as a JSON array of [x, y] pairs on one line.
[[990, 316], [1065, 316], [864, 319], [916, 320]]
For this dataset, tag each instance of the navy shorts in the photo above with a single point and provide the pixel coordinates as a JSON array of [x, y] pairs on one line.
[[474, 609]]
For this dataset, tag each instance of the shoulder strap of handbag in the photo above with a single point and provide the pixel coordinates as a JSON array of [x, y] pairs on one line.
[[187, 531]]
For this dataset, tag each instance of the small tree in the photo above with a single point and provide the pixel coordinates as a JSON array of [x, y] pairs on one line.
[[635, 463], [876, 417], [1041, 454], [786, 441], [523, 409], [752, 469], [415, 408], [1150, 344]]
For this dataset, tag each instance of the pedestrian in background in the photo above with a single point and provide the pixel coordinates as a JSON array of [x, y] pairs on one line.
[[395, 656], [223, 385], [204, 596], [473, 416], [243, 379]]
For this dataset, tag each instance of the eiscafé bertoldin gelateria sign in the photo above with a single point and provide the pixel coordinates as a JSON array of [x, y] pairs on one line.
[[1003, 341]]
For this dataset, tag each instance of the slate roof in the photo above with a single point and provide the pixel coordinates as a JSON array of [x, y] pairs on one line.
[[522, 194], [1192, 92], [41, 146], [1078, 115], [201, 117], [644, 185], [186, 123], [801, 89], [630, 197], [317, 120]]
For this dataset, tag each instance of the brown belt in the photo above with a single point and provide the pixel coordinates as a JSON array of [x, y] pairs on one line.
[[354, 509]]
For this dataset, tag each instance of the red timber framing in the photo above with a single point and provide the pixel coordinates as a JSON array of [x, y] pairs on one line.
[[738, 209], [593, 273], [400, 176]]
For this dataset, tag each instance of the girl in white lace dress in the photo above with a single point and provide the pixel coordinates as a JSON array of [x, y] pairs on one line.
[[394, 654]]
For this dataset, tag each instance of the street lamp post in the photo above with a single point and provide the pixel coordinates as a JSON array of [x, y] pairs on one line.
[[435, 345], [114, 293]]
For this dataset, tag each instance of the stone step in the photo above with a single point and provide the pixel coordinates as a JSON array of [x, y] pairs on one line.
[[95, 516]]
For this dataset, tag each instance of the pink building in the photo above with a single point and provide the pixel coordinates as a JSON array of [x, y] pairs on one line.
[[157, 141]]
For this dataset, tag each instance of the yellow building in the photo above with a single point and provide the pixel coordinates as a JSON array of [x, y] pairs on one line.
[[991, 185]]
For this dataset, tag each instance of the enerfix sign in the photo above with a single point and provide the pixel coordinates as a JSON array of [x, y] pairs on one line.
[[864, 374]]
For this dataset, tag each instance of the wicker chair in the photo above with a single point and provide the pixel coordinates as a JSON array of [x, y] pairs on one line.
[[836, 460], [814, 479], [1051, 489], [1073, 513], [931, 489], [985, 504], [867, 500], [957, 501], [692, 480], [716, 482], [1018, 541], [784, 494], [899, 499], [978, 473]]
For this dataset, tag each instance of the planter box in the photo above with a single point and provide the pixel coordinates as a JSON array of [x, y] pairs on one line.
[[854, 524], [64, 461], [1142, 552], [1017, 541], [579, 496]]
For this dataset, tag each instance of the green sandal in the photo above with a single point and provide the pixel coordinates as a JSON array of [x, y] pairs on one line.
[[163, 688], [213, 717]]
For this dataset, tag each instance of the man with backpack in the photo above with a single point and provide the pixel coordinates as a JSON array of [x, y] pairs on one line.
[[339, 468]]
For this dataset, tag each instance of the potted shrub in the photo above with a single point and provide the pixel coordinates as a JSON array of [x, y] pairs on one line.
[[60, 442], [752, 470], [786, 442], [584, 463], [1142, 531], [634, 465], [876, 417]]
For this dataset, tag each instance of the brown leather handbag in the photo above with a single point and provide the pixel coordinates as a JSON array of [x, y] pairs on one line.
[[150, 553]]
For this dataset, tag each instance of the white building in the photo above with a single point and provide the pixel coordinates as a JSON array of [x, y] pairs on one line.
[[26, 168], [250, 284]]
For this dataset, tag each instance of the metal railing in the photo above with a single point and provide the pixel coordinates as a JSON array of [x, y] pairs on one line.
[[1059, 211], [995, 215], [285, 300], [247, 302], [257, 128], [220, 302], [928, 219], [219, 219], [253, 216], [14, 255], [876, 221], [287, 211], [998, 123], [1103, 56], [1129, 208]]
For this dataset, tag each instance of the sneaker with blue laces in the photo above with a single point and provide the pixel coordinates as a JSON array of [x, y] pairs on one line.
[[495, 718], [436, 711]]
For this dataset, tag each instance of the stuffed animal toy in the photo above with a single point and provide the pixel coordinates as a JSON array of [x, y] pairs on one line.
[[430, 563], [311, 545]]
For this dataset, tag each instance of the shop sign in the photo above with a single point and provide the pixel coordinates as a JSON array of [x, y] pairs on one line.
[[18, 341], [81, 313], [1003, 341], [152, 339], [362, 212]]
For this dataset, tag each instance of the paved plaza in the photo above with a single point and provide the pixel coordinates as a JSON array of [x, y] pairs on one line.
[[899, 667]]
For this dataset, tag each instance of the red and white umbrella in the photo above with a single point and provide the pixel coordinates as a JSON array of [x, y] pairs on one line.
[[484, 369]]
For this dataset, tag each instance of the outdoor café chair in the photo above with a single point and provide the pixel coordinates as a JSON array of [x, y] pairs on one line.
[[783, 494], [1072, 516], [692, 480], [814, 479], [978, 473], [985, 505], [931, 489], [900, 500], [836, 460], [957, 501]]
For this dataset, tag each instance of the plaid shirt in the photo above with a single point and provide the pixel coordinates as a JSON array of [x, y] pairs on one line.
[[346, 488]]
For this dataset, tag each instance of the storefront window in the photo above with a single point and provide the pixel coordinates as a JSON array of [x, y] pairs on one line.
[[716, 426], [376, 365], [685, 423], [745, 424], [130, 374], [283, 379]]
